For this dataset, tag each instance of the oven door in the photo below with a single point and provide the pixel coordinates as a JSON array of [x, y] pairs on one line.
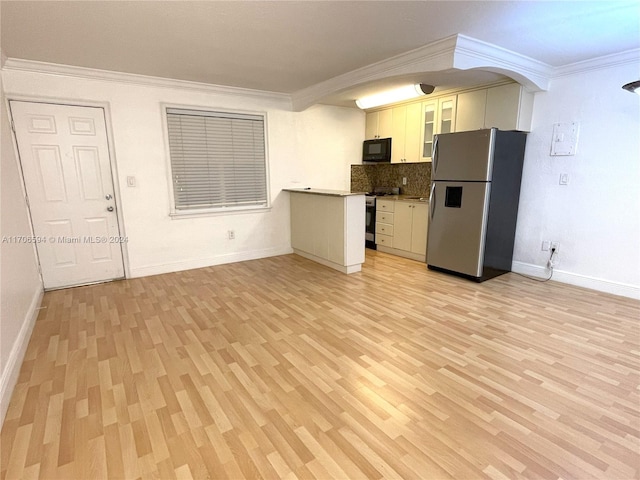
[[370, 224]]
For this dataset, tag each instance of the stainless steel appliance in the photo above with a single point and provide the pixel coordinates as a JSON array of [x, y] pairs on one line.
[[376, 151], [370, 223], [473, 205]]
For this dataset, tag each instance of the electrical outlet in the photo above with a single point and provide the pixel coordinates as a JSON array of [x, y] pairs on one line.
[[546, 245], [231, 234], [404, 180], [555, 245]]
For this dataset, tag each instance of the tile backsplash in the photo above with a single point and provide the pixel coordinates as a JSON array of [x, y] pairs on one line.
[[364, 178]]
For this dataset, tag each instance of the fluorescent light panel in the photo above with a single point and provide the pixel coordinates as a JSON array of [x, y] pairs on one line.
[[396, 95]]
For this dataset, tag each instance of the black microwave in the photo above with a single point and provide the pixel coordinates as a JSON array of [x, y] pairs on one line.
[[376, 151]]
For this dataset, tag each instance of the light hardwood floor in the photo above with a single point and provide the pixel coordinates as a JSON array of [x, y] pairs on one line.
[[283, 368]]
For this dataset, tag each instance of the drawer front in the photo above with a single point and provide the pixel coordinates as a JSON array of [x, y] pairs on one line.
[[384, 217], [386, 240], [385, 205], [384, 229]]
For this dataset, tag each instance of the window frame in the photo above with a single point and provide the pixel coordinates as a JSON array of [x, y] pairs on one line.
[[175, 213]]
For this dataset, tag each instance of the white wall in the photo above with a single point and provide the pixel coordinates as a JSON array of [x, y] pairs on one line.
[[20, 284], [313, 148], [596, 217]]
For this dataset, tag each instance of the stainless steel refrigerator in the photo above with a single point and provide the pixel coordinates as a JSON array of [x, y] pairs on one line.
[[473, 205]]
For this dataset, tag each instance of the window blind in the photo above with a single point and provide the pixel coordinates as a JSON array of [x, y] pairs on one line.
[[217, 159]]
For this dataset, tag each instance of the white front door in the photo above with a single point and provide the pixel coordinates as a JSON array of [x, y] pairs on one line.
[[67, 172]]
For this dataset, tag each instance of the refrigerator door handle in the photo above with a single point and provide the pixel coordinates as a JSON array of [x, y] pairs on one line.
[[432, 197], [434, 155]]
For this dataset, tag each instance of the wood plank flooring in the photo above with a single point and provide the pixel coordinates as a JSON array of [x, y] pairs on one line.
[[283, 368]]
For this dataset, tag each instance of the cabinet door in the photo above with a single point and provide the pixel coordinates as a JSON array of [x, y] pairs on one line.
[[378, 124], [502, 106], [446, 115], [399, 123], [428, 128], [402, 219], [419, 227], [412, 133], [385, 120], [438, 116], [371, 126], [509, 107], [470, 111]]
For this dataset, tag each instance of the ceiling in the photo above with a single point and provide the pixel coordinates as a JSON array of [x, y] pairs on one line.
[[289, 46]]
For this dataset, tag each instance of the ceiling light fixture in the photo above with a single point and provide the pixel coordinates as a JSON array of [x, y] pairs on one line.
[[633, 87], [396, 95]]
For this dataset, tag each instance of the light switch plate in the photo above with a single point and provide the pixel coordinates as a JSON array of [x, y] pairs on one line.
[[564, 179], [565, 138], [131, 181]]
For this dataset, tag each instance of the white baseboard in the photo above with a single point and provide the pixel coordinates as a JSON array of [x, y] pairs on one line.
[[403, 253], [607, 286], [207, 262], [328, 263], [12, 369]]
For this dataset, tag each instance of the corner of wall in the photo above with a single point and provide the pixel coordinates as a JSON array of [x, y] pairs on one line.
[[11, 370]]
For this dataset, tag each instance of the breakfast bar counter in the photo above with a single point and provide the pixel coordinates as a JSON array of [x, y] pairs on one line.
[[328, 227]]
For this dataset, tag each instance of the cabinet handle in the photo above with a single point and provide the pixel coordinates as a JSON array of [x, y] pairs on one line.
[[434, 156], [432, 200]]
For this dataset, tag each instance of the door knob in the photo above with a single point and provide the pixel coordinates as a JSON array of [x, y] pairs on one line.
[[108, 197], [109, 209]]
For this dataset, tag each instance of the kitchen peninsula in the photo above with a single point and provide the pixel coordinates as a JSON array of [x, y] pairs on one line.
[[328, 227]]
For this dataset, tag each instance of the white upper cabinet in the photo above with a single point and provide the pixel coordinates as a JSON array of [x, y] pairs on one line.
[[438, 116], [506, 107], [412, 126], [471, 110], [509, 107], [378, 124], [447, 114], [405, 134]]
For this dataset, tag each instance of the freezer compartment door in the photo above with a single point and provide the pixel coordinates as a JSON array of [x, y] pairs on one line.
[[457, 226], [464, 156]]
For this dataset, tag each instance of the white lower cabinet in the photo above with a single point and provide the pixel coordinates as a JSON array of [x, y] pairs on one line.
[[410, 227], [404, 231], [384, 222]]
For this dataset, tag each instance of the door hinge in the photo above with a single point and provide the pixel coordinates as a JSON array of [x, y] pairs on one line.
[[13, 126]]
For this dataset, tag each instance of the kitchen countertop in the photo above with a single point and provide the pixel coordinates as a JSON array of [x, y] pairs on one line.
[[405, 198], [320, 191]]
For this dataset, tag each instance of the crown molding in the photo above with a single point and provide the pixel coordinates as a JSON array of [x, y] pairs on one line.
[[435, 56], [599, 63], [472, 53], [31, 66], [457, 52]]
